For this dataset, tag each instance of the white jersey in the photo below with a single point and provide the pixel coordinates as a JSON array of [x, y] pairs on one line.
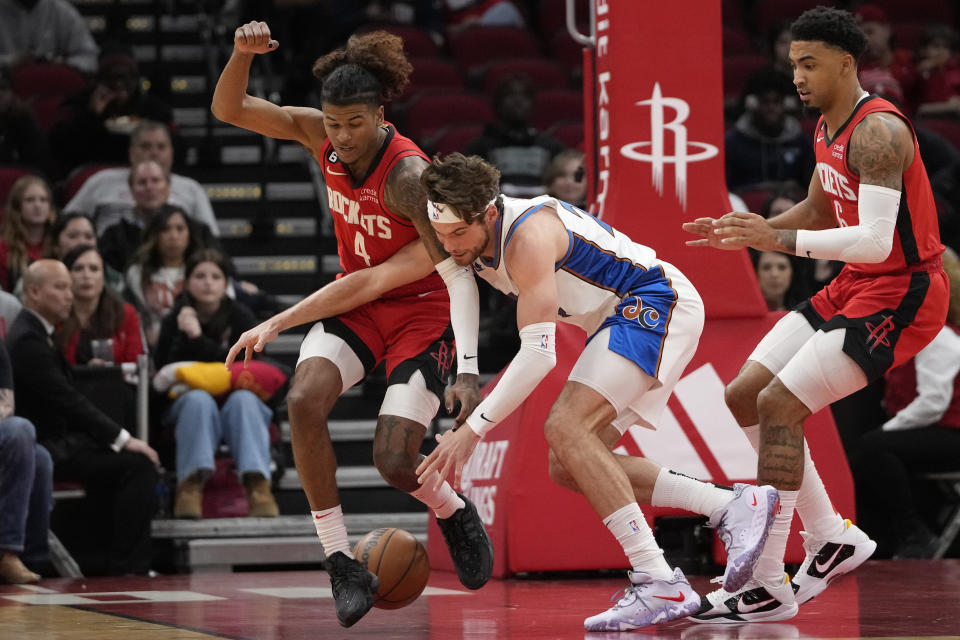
[[601, 268]]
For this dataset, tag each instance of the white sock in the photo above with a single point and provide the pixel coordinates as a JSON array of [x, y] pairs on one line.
[[770, 566], [444, 501], [813, 504], [332, 531], [674, 489], [632, 532]]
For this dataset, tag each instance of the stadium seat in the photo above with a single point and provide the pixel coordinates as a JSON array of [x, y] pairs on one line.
[[430, 111], [569, 132], [478, 46], [417, 43], [568, 52], [79, 176], [736, 70], [767, 13], [47, 78], [452, 138], [432, 73], [908, 35], [543, 73], [554, 105], [552, 15], [929, 11]]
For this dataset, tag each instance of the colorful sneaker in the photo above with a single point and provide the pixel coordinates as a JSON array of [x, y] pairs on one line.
[[755, 602], [353, 587], [827, 560], [743, 526], [469, 545], [646, 601]]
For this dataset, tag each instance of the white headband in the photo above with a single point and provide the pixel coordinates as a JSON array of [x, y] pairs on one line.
[[440, 212]]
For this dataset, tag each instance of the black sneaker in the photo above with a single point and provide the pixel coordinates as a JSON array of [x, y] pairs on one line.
[[469, 544], [353, 587]]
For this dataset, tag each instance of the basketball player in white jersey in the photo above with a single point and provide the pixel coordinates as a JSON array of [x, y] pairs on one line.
[[643, 319]]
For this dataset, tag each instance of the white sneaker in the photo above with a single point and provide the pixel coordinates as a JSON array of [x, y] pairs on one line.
[[743, 526], [756, 602], [827, 560], [647, 601]]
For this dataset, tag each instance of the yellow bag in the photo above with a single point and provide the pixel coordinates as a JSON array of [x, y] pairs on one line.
[[211, 377]]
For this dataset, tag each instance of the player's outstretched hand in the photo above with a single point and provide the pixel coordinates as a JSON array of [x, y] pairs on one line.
[[252, 340], [740, 229], [466, 392], [453, 450], [704, 228], [254, 37]]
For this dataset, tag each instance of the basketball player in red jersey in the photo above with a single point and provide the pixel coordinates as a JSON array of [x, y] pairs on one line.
[[869, 205], [379, 208]]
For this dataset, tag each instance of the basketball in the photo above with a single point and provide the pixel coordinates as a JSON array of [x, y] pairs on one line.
[[399, 560]]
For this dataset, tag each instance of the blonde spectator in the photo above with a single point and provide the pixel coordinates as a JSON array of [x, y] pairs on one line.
[[26, 227]]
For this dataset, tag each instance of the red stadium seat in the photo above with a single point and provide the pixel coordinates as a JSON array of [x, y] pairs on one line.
[[767, 13], [736, 42], [554, 105], [452, 138], [431, 74], [736, 69], [478, 46], [947, 127], [929, 11], [569, 133], [430, 111], [417, 43], [568, 52], [553, 16], [47, 79], [79, 176], [543, 74]]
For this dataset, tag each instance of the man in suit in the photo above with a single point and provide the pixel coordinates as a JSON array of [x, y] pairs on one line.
[[118, 471]]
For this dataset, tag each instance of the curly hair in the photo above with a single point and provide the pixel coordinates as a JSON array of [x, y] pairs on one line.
[[835, 27], [466, 183], [371, 69]]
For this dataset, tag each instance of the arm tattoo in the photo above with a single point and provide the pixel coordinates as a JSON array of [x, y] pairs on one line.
[[878, 149], [781, 464], [6, 403], [406, 197], [787, 239]]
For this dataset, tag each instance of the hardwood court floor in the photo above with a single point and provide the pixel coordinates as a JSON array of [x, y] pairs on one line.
[[883, 599]]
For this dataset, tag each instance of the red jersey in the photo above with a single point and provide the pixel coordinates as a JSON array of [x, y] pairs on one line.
[[917, 235], [367, 232]]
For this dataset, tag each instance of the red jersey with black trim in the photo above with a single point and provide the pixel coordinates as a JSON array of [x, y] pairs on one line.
[[917, 235], [367, 232]]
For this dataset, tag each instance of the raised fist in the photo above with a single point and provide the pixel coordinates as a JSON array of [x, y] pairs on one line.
[[254, 37]]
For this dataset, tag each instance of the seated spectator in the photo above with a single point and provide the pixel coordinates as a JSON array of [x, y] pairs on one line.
[[767, 143], [922, 435], [9, 310], [779, 280], [45, 30], [512, 143], [202, 327], [463, 14], [98, 313], [564, 178], [939, 67], [26, 227], [118, 472], [150, 186], [106, 196], [21, 140], [26, 486], [102, 116], [881, 61], [75, 229], [155, 275]]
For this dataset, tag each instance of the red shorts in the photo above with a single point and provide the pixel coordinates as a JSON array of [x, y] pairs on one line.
[[411, 333], [888, 317]]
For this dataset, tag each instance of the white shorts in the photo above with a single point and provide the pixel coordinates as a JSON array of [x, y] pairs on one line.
[[410, 399], [811, 364], [639, 398]]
